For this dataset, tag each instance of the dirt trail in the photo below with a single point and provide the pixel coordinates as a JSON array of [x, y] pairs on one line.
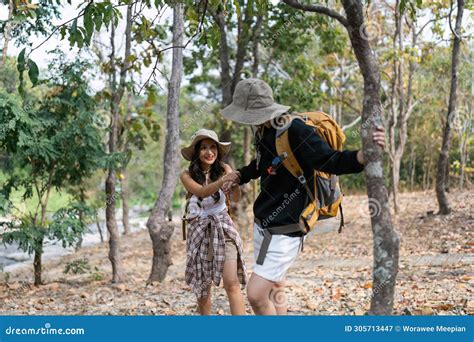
[[332, 276]]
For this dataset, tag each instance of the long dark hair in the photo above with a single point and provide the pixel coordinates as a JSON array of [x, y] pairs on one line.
[[217, 169]]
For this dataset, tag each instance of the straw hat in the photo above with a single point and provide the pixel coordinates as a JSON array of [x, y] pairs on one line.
[[202, 134]]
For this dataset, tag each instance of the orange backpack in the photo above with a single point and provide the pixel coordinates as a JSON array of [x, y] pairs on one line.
[[327, 198]]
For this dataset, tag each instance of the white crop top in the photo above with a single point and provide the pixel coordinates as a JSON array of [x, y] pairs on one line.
[[208, 206]]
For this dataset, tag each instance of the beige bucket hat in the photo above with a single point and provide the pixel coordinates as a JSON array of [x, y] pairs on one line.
[[253, 103], [224, 147]]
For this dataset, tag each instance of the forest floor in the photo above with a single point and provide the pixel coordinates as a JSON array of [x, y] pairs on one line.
[[332, 276]]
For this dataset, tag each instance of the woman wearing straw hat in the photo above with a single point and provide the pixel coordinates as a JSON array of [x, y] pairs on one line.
[[214, 248]]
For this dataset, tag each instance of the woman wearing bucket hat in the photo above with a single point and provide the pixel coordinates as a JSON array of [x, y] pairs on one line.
[[282, 198], [213, 247]]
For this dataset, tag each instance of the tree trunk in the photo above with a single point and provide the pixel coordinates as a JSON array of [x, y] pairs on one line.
[[413, 168], [99, 228], [463, 150], [443, 160], [395, 180], [428, 173], [111, 195], [110, 219], [124, 195], [82, 199], [226, 80], [425, 172], [401, 102], [246, 189], [37, 264], [7, 31], [225, 75], [386, 240], [160, 231]]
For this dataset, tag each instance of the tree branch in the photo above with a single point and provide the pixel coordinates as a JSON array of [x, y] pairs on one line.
[[318, 9], [346, 127]]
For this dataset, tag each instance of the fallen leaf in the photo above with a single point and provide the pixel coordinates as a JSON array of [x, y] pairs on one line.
[[424, 310], [444, 307], [51, 286], [149, 303], [311, 305], [336, 295], [122, 287], [14, 286]]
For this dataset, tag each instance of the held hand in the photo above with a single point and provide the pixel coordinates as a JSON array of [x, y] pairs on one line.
[[229, 186], [233, 176], [231, 181]]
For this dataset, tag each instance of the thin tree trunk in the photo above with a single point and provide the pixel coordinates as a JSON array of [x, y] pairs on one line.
[[224, 59], [99, 228], [399, 120], [110, 219], [395, 180], [82, 197], [463, 150], [413, 168], [124, 195], [7, 31], [424, 174], [37, 263], [246, 189], [111, 195], [429, 177], [161, 231], [443, 161], [225, 74]]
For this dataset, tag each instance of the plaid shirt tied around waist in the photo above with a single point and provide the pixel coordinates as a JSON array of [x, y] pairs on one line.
[[205, 252]]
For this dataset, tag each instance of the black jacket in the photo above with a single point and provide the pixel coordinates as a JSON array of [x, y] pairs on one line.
[[282, 198]]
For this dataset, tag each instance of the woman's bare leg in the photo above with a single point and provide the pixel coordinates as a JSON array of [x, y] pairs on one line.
[[205, 304], [232, 287]]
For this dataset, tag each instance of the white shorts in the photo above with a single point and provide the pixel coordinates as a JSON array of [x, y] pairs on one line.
[[281, 254]]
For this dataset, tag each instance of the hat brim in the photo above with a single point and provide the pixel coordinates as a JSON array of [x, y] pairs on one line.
[[223, 147], [253, 116]]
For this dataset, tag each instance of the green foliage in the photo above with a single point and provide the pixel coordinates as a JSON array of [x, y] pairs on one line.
[[95, 15], [67, 225], [82, 266], [32, 19], [79, 266], [412, 5], [53, 142], [26, 233]]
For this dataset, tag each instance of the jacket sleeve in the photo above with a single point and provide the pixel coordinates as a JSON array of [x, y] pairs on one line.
[[309, 146], [249, 172]]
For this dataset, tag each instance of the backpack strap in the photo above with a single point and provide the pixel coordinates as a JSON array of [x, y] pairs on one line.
[[341, 224], [283, 147], [184, 220]]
